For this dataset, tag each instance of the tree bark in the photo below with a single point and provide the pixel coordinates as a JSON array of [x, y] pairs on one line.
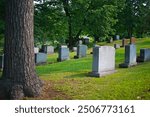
[[19, 77]]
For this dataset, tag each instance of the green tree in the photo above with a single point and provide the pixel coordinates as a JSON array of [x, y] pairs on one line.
[[50, 26], [101, 21]]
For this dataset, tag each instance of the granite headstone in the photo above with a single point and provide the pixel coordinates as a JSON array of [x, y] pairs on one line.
[[36, 50], [124, 42], [116, 46], [86, 40], [103, 61], [40, 58], [63, 53], [48, 49], [81, 51], [144, 55], [74, 49], [117, 37], [130, 56]]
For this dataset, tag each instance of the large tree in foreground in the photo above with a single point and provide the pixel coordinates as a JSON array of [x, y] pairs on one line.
[[19, 78]]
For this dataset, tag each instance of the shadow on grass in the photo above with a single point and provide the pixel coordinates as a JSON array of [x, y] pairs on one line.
[[80, 75]]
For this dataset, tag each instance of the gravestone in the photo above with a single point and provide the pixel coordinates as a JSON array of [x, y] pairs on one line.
[[36, 50], [40, 58], [130, 56], [144, 55], [80, 42], [63, 53], [1, 61], [48, 49], [117, 37], [110, 40], [116, 46], [124, 42], [81, 51], [103, 61], [132, 40], [86, 40], [74, 49]]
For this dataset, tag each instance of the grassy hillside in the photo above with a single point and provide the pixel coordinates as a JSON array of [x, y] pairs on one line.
[[70, 79]]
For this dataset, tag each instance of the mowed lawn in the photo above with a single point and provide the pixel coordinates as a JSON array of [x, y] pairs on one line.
[[70, 79]]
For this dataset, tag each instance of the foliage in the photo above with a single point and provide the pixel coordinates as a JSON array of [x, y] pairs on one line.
[[134, 18]]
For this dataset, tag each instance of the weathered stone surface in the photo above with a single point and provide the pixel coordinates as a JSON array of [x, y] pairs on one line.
[[1, 61], [36, 50], [63, 53], [130, 56], [116, 46], [103, 61], [40, 58], [48, 49], [81, 51], [144, 55]]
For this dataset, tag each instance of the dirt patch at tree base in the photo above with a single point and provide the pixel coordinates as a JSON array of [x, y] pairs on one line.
[[50, 93]]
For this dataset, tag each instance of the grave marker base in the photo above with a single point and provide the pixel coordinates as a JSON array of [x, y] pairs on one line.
[[59, 60], [96, 74], [127, 65]]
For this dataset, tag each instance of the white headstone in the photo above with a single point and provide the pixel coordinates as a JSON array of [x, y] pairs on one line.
[[36, 50], [103, 61]]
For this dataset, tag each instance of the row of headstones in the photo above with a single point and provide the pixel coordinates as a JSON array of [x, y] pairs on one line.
[[63, 53], [125, 42], [104, 59], [41, 55]]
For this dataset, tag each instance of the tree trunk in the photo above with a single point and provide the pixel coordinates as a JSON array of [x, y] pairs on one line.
[[19, 77]]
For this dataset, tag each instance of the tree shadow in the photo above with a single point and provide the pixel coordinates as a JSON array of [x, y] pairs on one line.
[[79, 75]]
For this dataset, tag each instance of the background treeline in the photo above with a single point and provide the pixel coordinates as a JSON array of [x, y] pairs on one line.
[[66, 21]]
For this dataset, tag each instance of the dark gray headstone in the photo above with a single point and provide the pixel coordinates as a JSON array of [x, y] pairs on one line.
[[103, 61], [130, 56], [48, 49], [63, 53], [124, 42], [1, 61], [86, 40], [81, 51], [116, 46], [40, 58], [145, 54]]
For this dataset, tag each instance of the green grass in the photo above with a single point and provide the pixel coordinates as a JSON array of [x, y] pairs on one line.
[[70, 78]]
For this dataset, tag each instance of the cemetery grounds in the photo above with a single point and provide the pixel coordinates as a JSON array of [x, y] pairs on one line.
[[69, 80]]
